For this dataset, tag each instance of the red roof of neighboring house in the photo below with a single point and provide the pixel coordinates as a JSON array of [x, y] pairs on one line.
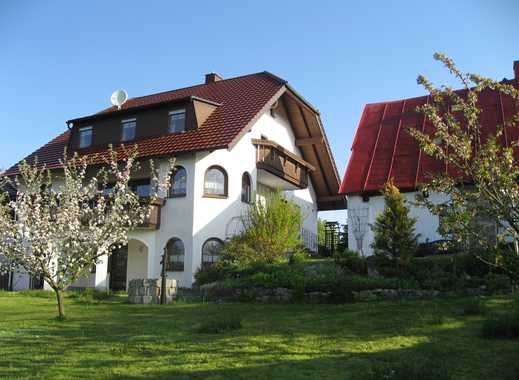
[[383, 149], [240, 100]]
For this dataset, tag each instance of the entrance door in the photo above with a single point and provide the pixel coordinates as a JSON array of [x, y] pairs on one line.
[[4, 281], [117, 267]]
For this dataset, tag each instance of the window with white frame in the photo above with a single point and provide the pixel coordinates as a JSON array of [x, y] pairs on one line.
[[177, 121], [85, 137], [128, 129]]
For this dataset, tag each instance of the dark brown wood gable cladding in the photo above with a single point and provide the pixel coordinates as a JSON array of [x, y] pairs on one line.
[[312, 141], [152, 121]]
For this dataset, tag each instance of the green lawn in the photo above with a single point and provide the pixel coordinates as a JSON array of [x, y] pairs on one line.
[[118, 340]]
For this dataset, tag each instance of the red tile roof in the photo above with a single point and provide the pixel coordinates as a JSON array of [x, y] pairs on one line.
[[241, 100], [383, 149]]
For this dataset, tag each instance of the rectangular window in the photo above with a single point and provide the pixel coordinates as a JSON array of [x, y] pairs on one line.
[[177, 121], [141, 187], [129, 128], [85, 137]]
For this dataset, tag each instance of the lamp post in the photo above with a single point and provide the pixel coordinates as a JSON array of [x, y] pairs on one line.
[[163, 277]]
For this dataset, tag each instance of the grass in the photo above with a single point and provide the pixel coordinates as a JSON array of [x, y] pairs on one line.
[[381, 340]]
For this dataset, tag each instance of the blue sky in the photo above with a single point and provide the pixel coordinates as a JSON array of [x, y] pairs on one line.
[[62, 59]]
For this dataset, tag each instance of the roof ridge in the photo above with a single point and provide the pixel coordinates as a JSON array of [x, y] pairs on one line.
[[265, 72]]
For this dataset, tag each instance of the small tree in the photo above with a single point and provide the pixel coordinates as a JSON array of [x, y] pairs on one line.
[[59, 226], [481, 184], [272, 229], [321, 232], [395, 238]]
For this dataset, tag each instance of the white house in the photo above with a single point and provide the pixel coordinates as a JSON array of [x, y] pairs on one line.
[[383, 149], [232, 139]]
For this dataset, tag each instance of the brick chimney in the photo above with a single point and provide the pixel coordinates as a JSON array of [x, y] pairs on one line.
[[212, 77], [516, 70]]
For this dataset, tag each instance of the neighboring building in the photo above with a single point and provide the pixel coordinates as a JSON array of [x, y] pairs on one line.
[[382, 149], [233, 139]]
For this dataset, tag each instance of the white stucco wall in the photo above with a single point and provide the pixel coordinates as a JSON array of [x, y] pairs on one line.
[[214, 217], [21, 280], [195, 218], [367, 212], [137, 266]]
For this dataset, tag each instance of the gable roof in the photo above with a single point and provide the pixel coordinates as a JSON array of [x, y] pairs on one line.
[[382, 148], [241, 101]]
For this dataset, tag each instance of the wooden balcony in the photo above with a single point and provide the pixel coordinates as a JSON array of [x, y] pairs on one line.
[[283, 169], [153, 221]]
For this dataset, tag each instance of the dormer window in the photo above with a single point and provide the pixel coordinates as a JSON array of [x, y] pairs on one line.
[[85, 137], [128, 130], [177, 121]]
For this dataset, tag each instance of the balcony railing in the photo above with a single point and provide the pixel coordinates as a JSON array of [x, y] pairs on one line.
[[286, 165], [153, 221]]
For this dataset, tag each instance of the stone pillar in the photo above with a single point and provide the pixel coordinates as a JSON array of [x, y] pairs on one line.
[[101, 277]]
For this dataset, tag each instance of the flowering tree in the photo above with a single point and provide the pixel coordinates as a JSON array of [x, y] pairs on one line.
[[482, 181], [62, 223]]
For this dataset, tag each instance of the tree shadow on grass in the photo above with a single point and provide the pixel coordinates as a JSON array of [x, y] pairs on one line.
[[276, 341]]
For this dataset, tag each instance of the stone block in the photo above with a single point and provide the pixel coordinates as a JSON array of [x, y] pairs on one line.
[[146, 291]]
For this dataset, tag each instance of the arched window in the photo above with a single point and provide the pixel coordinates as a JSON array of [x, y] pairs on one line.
[[245, 188], [211, 252], [215, 182], [178, 182], [175, 253]]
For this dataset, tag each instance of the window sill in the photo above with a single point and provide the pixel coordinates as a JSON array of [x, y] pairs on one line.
[[215, 196]]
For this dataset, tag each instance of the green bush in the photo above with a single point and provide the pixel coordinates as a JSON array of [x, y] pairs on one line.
[[298, 277], [501, 325], [351, 261], [435, 272], [434, 248], [448, 272], [219, 326], [272, 230], [214, 273], [497, 282], [298, 258]]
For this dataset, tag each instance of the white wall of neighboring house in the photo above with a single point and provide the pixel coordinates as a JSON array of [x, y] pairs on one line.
[[361, 215]]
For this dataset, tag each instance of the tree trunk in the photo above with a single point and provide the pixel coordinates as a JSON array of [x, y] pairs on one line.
[[61, 304]]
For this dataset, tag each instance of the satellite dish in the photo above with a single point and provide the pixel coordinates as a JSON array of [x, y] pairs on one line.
[[118, 98]]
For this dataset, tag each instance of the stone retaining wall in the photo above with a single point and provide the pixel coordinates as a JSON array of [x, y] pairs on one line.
[[218, 292], [145, 291]]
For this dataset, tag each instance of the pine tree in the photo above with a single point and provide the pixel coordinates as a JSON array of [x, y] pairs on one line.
[[395, 237]]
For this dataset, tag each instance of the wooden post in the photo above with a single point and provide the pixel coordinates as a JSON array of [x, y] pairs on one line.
[[163, 278]]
